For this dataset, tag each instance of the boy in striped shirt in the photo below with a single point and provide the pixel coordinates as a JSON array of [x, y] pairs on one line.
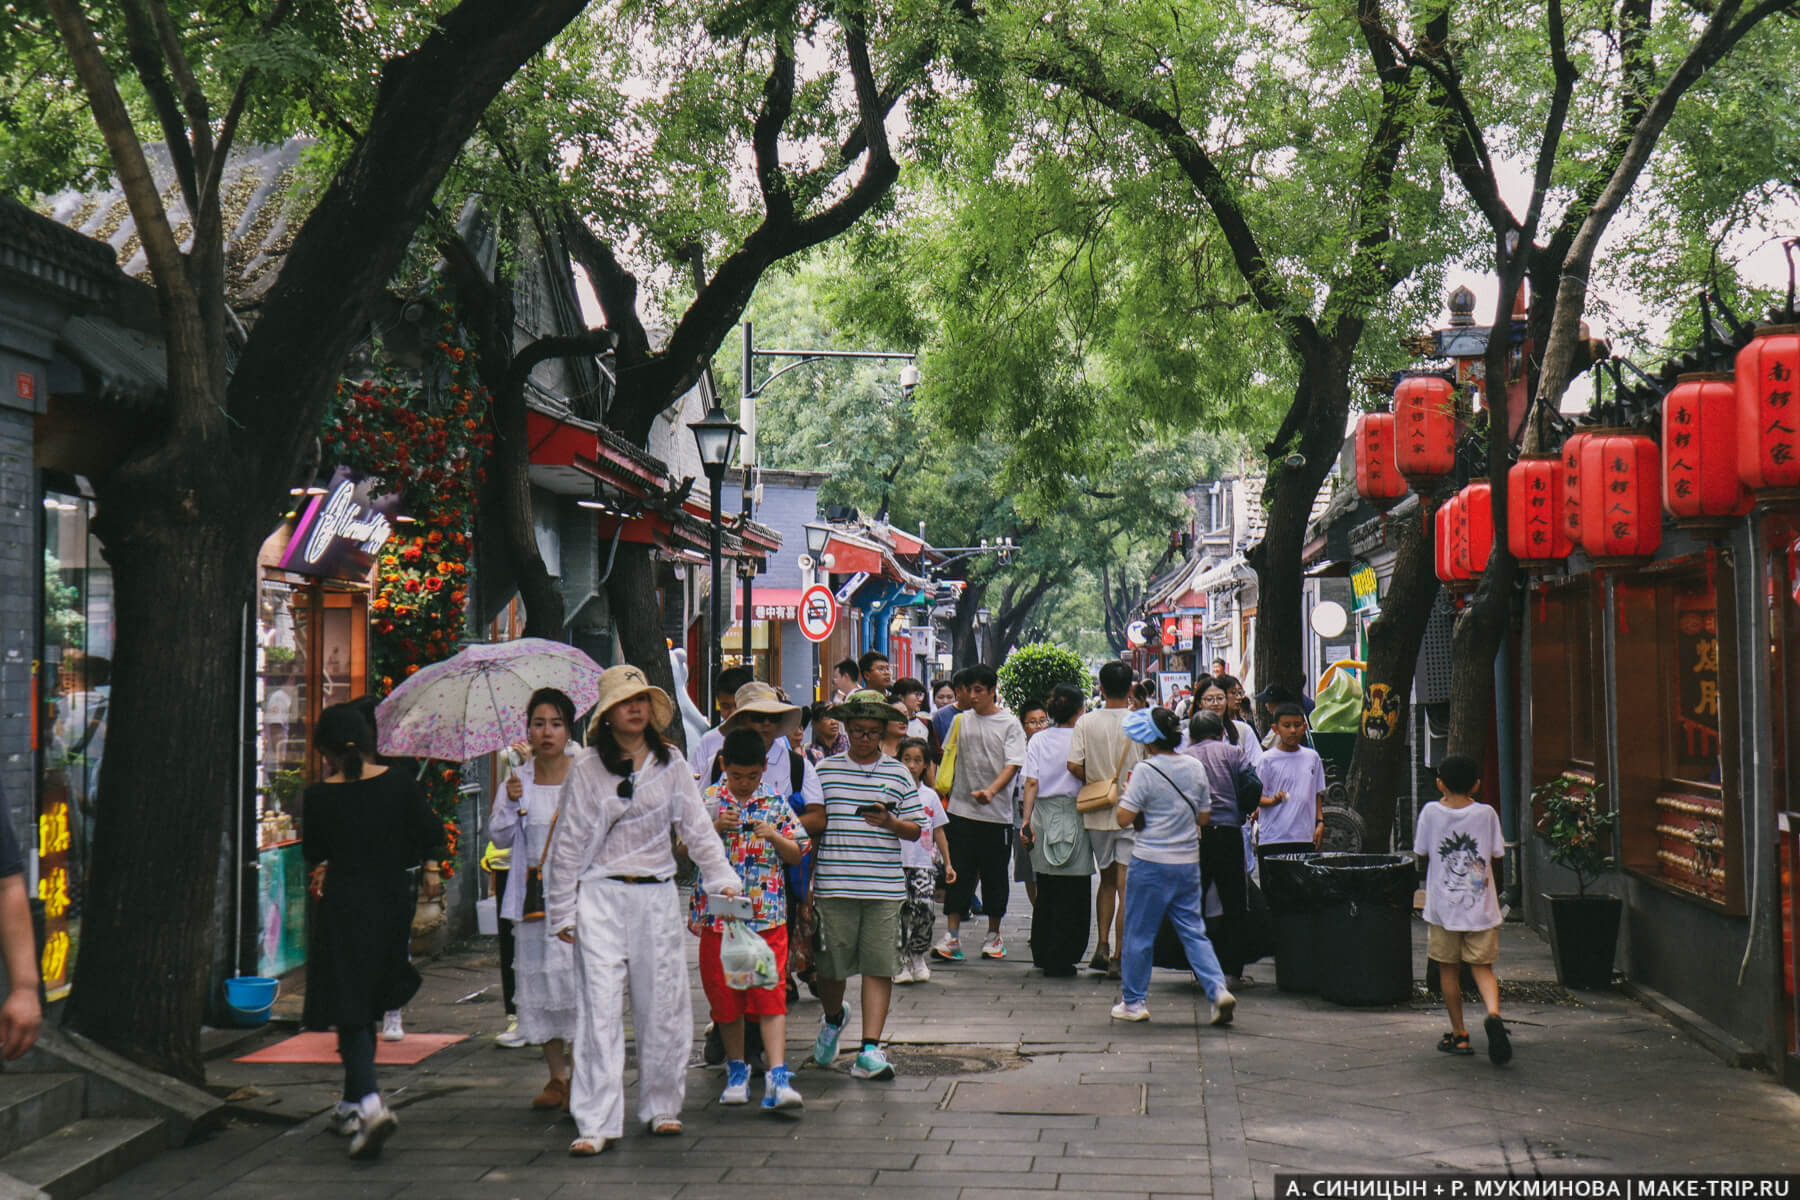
[[859, 882]]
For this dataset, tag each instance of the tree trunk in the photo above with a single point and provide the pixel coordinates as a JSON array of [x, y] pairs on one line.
[[1378, 770], [962, 624], [510, 490], [182, 545], [632, 594]]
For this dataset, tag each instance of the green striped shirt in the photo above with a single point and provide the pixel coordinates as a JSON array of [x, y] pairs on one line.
[[856, 860]]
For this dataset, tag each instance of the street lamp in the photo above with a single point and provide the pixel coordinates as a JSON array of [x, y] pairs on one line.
[[716, 435]]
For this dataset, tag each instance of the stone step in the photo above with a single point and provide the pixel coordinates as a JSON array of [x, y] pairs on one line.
[[81, 1156], [33, 1105]]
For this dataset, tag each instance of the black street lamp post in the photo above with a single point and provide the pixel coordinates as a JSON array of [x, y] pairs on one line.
[[716, 434]]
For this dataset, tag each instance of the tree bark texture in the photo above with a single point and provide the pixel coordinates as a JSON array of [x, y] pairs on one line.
[[1382, 760]]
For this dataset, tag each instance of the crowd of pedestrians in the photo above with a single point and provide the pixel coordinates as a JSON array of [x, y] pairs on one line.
[[822, 845]]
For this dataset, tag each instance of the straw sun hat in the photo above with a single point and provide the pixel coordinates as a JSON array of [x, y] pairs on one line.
[[763, 698], [625, 682]]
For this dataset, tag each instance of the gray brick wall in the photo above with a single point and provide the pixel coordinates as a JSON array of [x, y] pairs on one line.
[[19, 552]]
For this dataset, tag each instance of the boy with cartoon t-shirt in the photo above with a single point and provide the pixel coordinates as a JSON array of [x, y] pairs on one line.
[[1463, 848]]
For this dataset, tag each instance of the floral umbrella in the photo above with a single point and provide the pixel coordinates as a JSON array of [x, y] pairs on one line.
[[473, 703]]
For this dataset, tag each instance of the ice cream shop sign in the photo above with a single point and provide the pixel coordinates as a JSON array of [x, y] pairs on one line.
[[342, 528]]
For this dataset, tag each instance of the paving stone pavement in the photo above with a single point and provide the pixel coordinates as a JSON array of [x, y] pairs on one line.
[[1296, 1084]]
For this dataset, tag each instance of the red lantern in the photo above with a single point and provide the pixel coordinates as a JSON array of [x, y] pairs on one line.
[[1473, 530], [1700, 484], [1621, 497], [1535, 529], [1768, 420], [1378, 478], [1571, 480], [1425, 421], [1443, 541]]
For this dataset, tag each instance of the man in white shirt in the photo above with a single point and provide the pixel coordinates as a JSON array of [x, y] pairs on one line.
[[1099, 750], [877, 671], [725, 689], [990, 749]]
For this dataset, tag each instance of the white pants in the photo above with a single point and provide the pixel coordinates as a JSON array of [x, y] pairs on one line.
[[635, 928]]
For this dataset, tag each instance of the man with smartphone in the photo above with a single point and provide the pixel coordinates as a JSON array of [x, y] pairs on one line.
[[870, 804]]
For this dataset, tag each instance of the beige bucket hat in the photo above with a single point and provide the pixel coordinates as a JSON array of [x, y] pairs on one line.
[[866, 704], [625, 682], [757, 697]]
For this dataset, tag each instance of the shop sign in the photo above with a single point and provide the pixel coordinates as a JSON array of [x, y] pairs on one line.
[[342, 531], [775, 612], [1173, 683], [1697, 651], [1364, 587], [54, 838]]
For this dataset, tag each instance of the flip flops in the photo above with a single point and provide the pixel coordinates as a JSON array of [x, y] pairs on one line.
[[1455, 1043]]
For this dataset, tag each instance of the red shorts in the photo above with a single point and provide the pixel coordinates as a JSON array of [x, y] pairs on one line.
[[729, 1004]]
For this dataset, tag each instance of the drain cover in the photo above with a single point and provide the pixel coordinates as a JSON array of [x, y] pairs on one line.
[[1517, 991], [937, 1062]]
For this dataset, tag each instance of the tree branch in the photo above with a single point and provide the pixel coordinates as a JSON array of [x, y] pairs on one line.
[[147, 62], [592, 341], [765, 140]]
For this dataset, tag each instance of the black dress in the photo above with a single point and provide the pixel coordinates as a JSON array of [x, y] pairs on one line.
[[370, 832]]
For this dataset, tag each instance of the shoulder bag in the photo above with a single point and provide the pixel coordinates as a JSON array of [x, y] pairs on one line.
[[534, 876], [946, 772], [1097, 794]]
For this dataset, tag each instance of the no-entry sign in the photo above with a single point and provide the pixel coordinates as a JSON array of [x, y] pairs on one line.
[[818, 613]]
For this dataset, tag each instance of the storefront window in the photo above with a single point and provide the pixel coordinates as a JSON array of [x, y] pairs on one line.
[[311, 652], [75, 690]]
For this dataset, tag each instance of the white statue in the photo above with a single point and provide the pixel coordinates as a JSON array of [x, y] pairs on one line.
[[692, 719]]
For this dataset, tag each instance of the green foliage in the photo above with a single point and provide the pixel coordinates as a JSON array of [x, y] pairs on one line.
[[64, 623], [1031, 671], [1578, 830]]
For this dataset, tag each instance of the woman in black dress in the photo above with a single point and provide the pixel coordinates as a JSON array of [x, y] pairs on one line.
[[369, 825]]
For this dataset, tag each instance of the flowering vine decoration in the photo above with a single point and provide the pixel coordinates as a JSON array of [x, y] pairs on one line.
[[423, 433]]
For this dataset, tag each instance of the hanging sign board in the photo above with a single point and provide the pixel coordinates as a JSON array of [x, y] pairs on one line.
[[341, 531], [818, 613]]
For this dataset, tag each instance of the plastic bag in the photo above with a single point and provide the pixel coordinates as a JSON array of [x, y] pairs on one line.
[[746, 959]]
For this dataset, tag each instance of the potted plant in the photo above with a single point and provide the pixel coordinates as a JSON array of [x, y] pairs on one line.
[[1584, 929]]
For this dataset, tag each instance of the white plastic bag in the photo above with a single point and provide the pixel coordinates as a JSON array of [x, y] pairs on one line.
[[746, 959]]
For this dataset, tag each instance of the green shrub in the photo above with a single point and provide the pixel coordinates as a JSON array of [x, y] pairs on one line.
[[1579, 832], [1030, 671]]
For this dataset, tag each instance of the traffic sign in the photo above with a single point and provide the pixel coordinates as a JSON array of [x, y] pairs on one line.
[[818, 613]]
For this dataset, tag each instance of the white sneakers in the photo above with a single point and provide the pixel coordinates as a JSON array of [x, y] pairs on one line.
[[905, 973], [1222, 1007], [993, 946], [921, 970], [1136, 1011], [390, 1027], [375, 1125], [510, 1037]]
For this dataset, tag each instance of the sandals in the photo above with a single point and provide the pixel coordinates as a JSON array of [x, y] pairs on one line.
[[588, 1147], [1455, 1043], [665, 1126], [1499, 1045]]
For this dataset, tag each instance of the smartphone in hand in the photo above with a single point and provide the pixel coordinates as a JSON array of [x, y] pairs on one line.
[[732, 908]]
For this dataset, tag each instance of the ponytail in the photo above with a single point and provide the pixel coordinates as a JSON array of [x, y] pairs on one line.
[[343, 732]]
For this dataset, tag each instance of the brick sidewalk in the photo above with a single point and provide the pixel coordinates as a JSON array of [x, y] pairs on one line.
[[1019, 1085]]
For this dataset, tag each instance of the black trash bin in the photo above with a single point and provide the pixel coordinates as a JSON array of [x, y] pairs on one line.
[[1296, 893], [1363, 928]]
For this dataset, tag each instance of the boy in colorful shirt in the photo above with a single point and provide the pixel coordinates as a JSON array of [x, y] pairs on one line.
[[761, 833]]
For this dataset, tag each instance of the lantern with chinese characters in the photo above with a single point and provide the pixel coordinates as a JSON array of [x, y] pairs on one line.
[[1621, 497], [1472, 531], [1443, 540], [1571, 481], [1378, 478], [1700, 484], [1425, 425], [1535, 529], [1768, 420]]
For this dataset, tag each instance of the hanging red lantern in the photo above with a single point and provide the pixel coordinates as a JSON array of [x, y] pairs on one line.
[[1473, 530], [1443, 541], [1378, 478], [1700, 484], [1425, 422], [1535, 529], [1571, 481], [1621, 497], [1768, 420]]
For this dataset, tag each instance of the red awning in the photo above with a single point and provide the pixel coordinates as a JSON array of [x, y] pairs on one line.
[[851, 557]]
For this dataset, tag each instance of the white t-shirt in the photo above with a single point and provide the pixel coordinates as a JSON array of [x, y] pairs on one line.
[[1460, 845], [1171, 791], [1047, 761], [918, 855], [1099, 746], [1301, 774], [919, 729], [984, 746]]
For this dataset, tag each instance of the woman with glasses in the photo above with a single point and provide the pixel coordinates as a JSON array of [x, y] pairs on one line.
[[624, 796], [1215, 698]]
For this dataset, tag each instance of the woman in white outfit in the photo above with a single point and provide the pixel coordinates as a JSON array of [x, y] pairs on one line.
[[611, 892], [525, 813]]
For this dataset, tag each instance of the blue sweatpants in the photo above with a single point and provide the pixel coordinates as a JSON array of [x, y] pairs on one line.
[[1153, 889]]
